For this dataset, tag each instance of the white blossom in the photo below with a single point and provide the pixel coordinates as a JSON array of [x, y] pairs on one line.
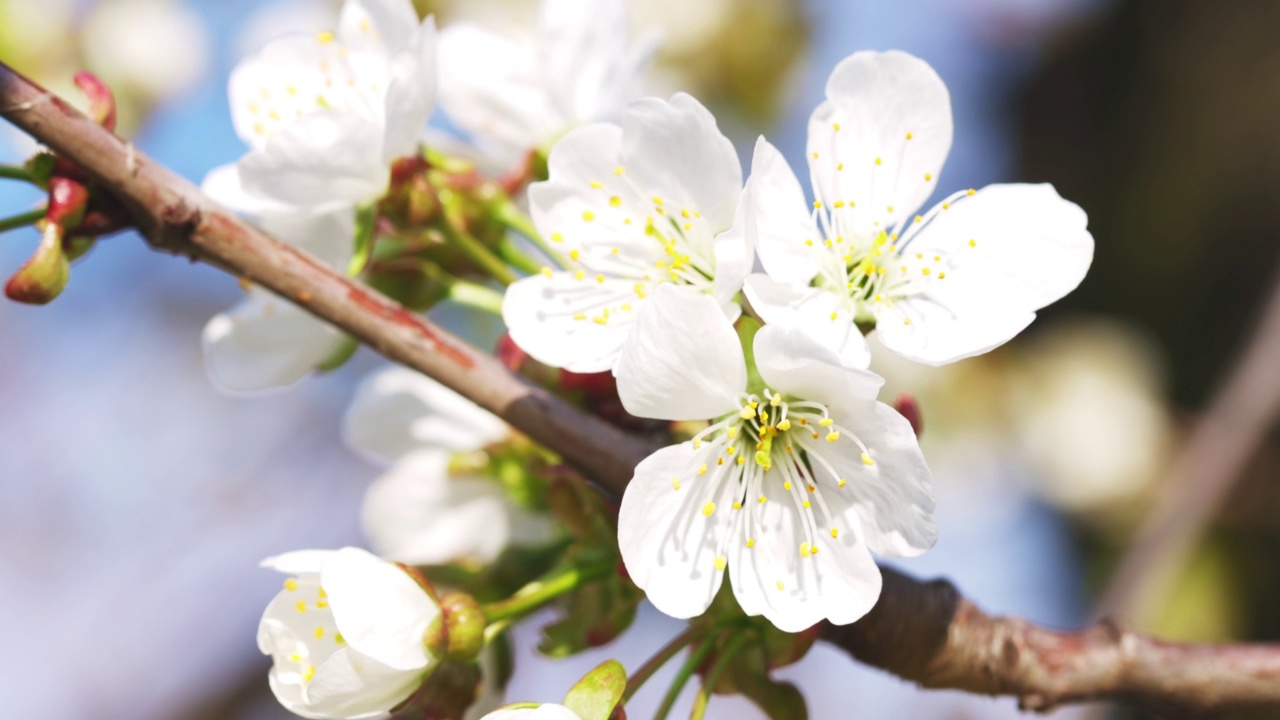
[[421, 512], [346, 634], [519, 91], [632, 205], [790, 488], [545, 711], [957, 280], [325, 115]]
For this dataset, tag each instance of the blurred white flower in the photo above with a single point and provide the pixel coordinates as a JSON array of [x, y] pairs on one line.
[[326, 115], [518, 92], [959, 280], [346, 635], [420, 512], [155, 48], [632, 205], [545, 711], [266, 342], [792, 485]]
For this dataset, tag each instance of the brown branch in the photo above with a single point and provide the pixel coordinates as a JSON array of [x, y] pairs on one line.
[[925, 632]]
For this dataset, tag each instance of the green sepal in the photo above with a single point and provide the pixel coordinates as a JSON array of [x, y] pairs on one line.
[[366, 229], [747, 328], [339, 357], [595, 696], [41, 167]]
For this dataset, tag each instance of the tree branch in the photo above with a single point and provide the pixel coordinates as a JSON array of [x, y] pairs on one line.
[[924, 632]]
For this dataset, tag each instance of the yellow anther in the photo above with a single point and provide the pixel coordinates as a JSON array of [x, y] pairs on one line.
[[764, 415], [835, 126], [812, 489], [815, 155], [763, 499], [742, 460], [720, 562], [833, 436], [814, 550], [731, 449], [889, 208], [826, 422], [675, 483], [835, 532], [809, 243], [906, 321], [685, 214], [785, 425], [291, 584], [877, 161], [687, 227], [557, 237], [805, 550], [574, 254], [615, 201], [925, 271], [817, 203], [841, 167], [779, 585], [841, 482], [708, 509], [879, 298], [805, 504], [866, 460], [322, 604], [657, 200], [702, 469], [319, 633], [309, 673], [838, 203], [619, 170], [302, 606], [588, 215], [786, 485], [971, 192], [946, 206], [579, 274], [973, 243], [941, 275], [776, 400], [296, 657], [737, 505], [601, 320], [928, 177], [919, 219], [731, 433], [719, 461], [579, 316], [600, 278], [547, 272], [596, 184], [746, 413], [835, 316], [751, 542], [909, 136], [324, 38]]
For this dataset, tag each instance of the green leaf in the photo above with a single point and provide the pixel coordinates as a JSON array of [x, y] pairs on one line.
[[597, 614], [41, 166], [366, 229], [596, 695]]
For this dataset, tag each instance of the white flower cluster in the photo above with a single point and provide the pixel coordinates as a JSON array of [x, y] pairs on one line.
[[799, 475]]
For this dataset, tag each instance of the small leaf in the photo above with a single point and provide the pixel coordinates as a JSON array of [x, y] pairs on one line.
[[366, 229], [43, 277], [597, 614], [596, 695]]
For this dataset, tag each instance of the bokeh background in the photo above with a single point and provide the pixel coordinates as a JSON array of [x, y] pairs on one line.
[[136, 501]]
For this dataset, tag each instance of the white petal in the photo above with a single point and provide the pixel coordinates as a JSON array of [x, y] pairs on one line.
[[668, 540], [682, 361], [545, 711], [839, 583], [418, 515], [270, 89], [265, 342], [297, 561], [379, 609], [892, 499], [674, 150], [320, 162], [489, 87], [378, 25], [810, 311], [224, 186], [778, 218], [735, 257], [352, 685], [791, 362], [327, 236], [411, 93], [877, 99], [540, 314], [938, 334], [397, 410], [589, 64]]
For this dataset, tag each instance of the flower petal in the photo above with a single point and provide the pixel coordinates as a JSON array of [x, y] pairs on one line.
[[378, 26], [282, 81], [297, 561], [682, 361], [419, 515], [560, 321], [810, 310], [352, 685], [590, 69], [793, 363], [926, 331], [891, 499], [265, 342], [224, 186], [380, 610], [320, 162], [411, 93], [545, 711], [893, 115], [397, 411], [735, 256], [672, 523], [779, 220]]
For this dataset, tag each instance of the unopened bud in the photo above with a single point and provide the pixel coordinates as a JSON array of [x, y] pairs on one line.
[[465, 622], [909, 408], [44, 275], [102, 104]]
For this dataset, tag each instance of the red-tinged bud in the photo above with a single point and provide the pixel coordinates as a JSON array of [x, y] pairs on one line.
[[593, 386], [102, 104], [68, 201], [511, 355], [909, 408], [45, 274]]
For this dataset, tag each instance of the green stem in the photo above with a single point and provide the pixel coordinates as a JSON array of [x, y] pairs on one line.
[[478, 253], [510, 216], [538, 593], [23, 220], [660, 658], [508, 250], [714, 674], [686, 671], [475, 295], [15, 172]]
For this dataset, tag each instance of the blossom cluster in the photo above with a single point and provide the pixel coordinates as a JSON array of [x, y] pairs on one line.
[[729, 311]]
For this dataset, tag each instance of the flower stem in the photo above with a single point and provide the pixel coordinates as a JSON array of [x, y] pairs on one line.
[[686, 671], [509, 251], [475, 295], [538, 593], [23, 220], [713, 675], [478, 253], [660, 658], [511, 216], [15, 172]]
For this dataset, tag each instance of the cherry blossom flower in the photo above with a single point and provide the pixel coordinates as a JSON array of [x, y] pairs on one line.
[[346, 634], [421, 512], [647, 201], [266, 342], [954, 281], [520, 92], [325, 116], [799, 477], [545, 711]]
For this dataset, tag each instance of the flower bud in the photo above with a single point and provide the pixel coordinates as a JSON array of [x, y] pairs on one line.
[[102, 104], [44, 275], [465, 622], [909, 408]]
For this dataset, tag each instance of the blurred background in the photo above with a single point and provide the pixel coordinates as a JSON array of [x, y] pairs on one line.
[[136, 501]]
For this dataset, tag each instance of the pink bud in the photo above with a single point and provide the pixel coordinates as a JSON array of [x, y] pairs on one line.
[[44, 275], [68, 200], [102, 104], [909, 408]]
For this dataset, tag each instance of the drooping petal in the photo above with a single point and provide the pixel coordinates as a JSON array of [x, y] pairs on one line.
[[320, 162], [561, 322], [380, 610], [823, 316], [411, 93], [545, 711], [793, 363], [779, 221], [378, 26], [417, 514], [352, 685], [892, 498], [397, 411], [675, 151], [265, 342], [782, 577], [880, 139], [682, 361], [674, 519]]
